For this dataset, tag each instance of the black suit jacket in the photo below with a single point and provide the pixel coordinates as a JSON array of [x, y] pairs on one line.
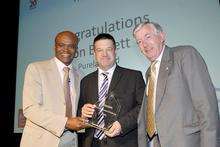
[[128, 88]]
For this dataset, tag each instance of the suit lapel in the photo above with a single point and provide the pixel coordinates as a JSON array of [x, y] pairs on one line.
[[115, 79], [56, 82], [75, 89], [164, 71], [94, 87]]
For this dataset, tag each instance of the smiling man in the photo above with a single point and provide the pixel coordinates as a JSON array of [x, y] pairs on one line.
[[128, 88], [50, 97], [180, 107]]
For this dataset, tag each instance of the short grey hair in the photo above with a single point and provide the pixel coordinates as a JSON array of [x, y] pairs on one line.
[[140, 25]]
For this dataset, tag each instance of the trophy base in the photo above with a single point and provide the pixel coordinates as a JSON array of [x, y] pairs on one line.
[[97, 127]]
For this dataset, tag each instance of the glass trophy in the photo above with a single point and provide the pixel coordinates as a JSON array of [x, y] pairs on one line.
[[111, 111]]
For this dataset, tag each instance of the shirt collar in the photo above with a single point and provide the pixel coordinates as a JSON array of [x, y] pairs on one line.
[[109, 71], [61, 65], [161, 54]]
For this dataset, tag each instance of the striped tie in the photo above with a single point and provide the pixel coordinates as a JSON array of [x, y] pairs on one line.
[[102, 93]]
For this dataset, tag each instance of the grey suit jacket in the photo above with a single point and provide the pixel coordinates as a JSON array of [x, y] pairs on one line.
[[44, 104], [128, 88], [186, 108]]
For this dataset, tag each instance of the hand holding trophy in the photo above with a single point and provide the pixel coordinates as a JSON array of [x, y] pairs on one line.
[[110, 109]]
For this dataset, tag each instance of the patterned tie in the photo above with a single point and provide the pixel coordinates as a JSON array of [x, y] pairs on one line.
[[66, 88], [151, 126], [102, 93]]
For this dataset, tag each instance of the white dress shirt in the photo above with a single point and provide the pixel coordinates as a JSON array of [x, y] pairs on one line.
[[60, 67], [157, 65], [109, 75]]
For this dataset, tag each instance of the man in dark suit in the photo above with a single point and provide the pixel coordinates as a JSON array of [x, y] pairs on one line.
[[128, 88], [185, 110]]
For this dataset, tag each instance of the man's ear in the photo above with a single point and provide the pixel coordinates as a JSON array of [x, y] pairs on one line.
[[163, 36]]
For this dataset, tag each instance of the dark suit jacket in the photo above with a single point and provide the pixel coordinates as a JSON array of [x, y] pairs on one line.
[[128, 87], [186, 108]]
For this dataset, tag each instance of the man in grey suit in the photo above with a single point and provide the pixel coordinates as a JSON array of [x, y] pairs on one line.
[[128, 88], [45, 100], [185, 110]]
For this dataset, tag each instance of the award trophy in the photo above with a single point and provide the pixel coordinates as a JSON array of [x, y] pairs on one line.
[[111, 110]]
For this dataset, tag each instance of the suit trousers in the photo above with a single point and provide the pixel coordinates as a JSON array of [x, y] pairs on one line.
[[68, 139]]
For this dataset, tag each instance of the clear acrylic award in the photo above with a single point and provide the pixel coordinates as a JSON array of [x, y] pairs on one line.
[[111, 111]]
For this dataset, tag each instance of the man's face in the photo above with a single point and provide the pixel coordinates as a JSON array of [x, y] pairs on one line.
[[150, 41], [104, 51], [65, 48]]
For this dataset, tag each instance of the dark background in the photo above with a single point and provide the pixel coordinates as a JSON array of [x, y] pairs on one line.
[[8, 53]]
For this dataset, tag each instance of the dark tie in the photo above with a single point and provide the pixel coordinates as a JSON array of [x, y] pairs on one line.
[[102, 93], [66, 87], [151, 126]]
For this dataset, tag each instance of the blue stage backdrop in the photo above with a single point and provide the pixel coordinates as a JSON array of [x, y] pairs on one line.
[[185, 21]]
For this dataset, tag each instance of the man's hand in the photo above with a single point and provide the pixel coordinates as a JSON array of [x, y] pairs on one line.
[[75, 123], [115, 130], [88, 110]]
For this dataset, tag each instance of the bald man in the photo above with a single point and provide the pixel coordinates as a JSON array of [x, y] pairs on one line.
[[48, 121]]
